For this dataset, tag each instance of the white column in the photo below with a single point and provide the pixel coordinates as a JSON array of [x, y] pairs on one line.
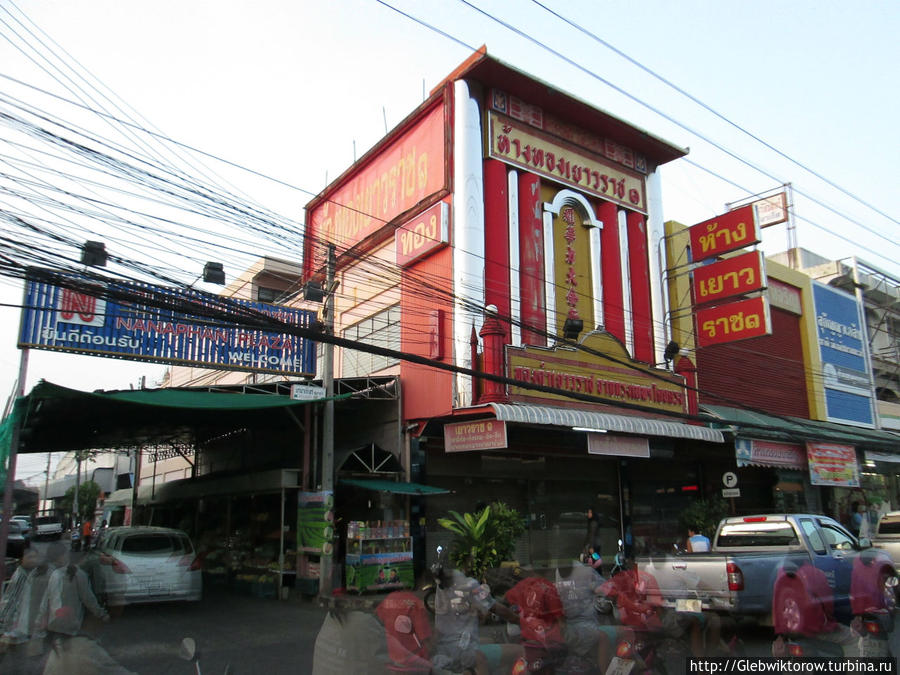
[[549, 276], [515, 292], [655, 253], [626, 282], [468, 233]]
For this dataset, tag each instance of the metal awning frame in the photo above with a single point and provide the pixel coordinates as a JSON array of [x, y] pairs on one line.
[[589, 419]]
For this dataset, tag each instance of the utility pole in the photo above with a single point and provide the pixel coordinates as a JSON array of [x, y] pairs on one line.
[[46, 482], [325, 562]]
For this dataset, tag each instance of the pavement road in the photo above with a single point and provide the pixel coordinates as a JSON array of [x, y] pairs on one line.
[[254, 635]]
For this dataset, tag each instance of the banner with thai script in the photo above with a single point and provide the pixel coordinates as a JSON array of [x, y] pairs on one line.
[[752, 452], [405, 172], [615, 379], [115, 323], [832, 464], [727, 232], [475, 435], [423, 234], [841, 332], [522, 145], [740, 320], [771, 210], [740, 275], [618, 446]]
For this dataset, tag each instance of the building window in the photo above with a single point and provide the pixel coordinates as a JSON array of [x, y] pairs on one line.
[[381, 330], [265, 294]]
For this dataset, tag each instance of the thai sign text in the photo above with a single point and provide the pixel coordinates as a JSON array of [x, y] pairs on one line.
[[733, 321], [728, 232], [727, 278], [523, 146]]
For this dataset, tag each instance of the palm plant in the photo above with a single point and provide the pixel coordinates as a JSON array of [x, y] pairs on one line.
[[484, 539]]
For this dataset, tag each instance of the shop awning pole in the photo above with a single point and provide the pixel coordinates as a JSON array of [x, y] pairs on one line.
[[281, 550]]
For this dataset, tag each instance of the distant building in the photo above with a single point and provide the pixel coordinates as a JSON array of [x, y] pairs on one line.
[[880, 293]]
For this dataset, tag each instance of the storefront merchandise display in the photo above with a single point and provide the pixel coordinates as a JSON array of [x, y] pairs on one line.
[[379, 555]]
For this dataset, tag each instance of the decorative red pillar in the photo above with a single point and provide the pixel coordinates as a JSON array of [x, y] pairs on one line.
[[533, 305], [493, 335], [686, 368], [496, 237], [611, 270]]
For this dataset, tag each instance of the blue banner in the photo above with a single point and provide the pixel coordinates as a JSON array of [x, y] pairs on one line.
[[842, 348], [114, 323]]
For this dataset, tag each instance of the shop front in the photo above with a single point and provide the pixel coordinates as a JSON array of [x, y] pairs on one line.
[[552, 464], [244, 527], [811, 466]]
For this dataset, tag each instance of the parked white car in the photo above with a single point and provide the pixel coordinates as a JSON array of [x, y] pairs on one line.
[[148, 564]]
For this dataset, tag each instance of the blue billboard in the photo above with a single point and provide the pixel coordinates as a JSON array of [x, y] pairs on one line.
[[847, 373], [171, 326]]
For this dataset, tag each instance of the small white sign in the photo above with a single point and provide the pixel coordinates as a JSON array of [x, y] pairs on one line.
[[306, 392], [731, 492], [729, 479]]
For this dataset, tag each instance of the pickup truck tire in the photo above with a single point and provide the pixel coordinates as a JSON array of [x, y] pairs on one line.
[[789, 609]]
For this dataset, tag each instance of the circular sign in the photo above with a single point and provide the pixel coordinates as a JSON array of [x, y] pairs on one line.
[[729, 479]]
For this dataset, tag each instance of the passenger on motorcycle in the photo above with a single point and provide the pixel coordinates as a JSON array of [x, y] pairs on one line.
[[540, 619], [641, 607], [408, 631], [459, 602], [586, 638]]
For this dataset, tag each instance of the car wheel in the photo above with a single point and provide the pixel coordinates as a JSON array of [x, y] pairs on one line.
[[790, 610]]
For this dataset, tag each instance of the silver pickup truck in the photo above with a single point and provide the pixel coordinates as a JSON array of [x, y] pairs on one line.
[[887, 535], [750, 555]]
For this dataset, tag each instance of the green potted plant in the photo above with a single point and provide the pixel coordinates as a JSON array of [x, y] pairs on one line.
[[484, 539]]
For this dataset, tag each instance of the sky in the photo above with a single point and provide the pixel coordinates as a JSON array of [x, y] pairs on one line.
[[296, 89]]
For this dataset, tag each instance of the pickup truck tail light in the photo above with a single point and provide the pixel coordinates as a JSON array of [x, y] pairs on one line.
[[735, 577]]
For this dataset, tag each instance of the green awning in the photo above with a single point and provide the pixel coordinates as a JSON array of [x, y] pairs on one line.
[[394, 486], [749, 424], [54, 418]]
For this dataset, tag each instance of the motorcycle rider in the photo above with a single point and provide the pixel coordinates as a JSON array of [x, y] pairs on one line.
[[540, 619], [586, 638]]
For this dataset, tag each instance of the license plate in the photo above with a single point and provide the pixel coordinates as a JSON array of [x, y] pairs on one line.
[[620, 666], [688, 605]]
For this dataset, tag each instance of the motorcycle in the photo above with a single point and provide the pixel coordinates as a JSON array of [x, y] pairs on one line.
[[618, 559], [648, 651], [429, 590], [190, 652]]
